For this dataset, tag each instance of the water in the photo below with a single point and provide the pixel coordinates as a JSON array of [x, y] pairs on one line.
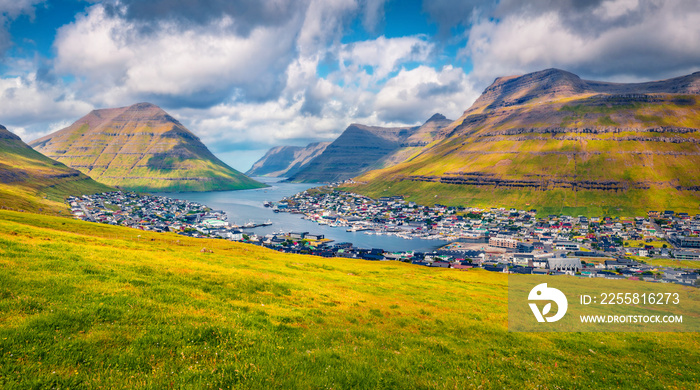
[[247, 205]]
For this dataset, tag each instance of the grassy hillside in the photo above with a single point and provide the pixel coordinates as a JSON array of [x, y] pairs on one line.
[[580, 151], [141, 148], [33, 182], [85, 305]]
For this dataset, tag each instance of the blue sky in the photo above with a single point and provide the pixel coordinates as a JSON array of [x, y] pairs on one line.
[[246, 75]]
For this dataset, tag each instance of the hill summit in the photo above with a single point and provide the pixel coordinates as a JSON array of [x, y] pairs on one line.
[[553, 141], [141, 148]]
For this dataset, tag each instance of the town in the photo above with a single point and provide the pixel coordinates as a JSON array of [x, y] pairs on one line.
[[651, 248]]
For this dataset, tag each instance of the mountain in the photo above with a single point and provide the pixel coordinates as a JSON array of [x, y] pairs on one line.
[[286, 161], [141, 148], [552, 141], [361, 148], [31, 181]]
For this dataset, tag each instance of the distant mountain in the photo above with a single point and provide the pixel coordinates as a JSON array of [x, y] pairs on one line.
[[33, 182], [361, 148], [286, 161], [141, 148], [552, 141]]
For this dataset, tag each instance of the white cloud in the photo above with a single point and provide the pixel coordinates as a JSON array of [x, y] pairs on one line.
[[383, 55], [323, 23], [14, 8], [112, 55], [26, 102], [660, 39], [612, 9], [414, 95]]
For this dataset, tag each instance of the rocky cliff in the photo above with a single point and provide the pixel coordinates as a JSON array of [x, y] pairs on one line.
[[552, 140], [33, 182], [286, 161], [142, 148]]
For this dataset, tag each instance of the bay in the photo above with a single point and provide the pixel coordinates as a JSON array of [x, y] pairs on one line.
[[247, 206]]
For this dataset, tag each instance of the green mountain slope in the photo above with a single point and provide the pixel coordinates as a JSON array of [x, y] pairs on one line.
[[94, 306], [141, 148], [551, 141], [33, 182]]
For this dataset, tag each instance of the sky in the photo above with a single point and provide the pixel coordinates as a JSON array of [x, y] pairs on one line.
[[247, 75]]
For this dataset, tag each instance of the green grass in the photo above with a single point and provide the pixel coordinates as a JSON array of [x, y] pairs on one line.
[[558, 201], [671, 262], [95, 306], [642, 244]]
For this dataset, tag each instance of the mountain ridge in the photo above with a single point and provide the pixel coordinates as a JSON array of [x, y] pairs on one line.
[[285, 161], [362, 147]]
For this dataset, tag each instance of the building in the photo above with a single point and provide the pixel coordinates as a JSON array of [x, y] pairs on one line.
[[566, 246], [524, 247], [298, 235], [523, 258], [689, 242], [687, 255], [503, 242], [569, 265]]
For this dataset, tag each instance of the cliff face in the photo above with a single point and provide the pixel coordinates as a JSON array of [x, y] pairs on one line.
[[360, 148], [286, 161], [141, 148], [33, 182], [553, 140]]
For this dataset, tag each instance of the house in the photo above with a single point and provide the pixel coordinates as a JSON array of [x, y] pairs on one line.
[[523, 258], [521, 270]]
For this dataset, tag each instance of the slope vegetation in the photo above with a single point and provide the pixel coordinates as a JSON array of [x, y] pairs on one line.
[[552, 141], [95, 306], [141, 148], [33, 182]]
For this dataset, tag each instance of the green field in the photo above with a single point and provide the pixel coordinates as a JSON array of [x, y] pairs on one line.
[[94, 306]]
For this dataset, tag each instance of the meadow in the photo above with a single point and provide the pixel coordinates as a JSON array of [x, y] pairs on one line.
[[94, 306]]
